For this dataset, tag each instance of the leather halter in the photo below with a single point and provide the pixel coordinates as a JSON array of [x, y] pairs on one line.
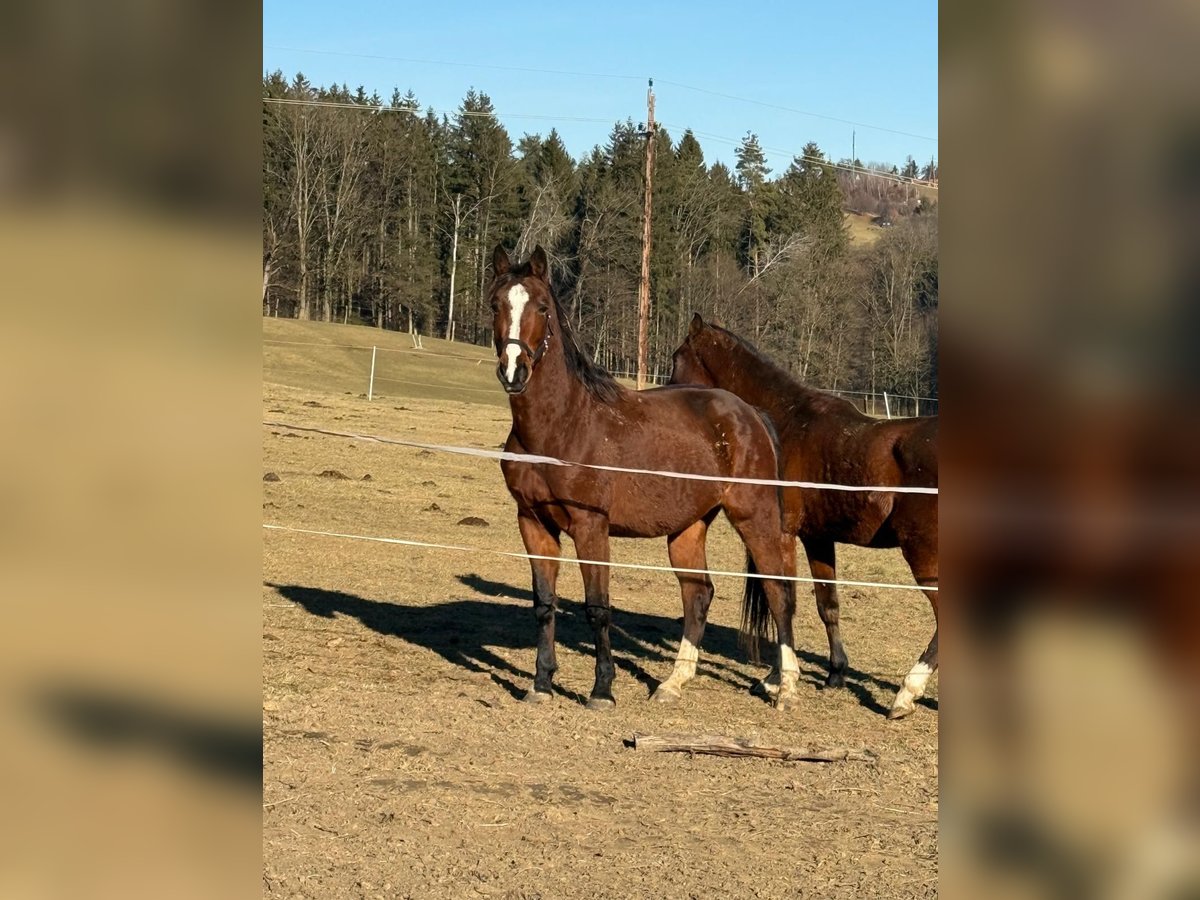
[[534, 355]]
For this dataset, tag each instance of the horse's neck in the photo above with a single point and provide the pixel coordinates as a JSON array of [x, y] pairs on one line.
[[553, 403], [767, 387]]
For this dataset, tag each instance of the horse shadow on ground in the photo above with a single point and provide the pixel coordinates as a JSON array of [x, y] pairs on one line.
[[467, 632]]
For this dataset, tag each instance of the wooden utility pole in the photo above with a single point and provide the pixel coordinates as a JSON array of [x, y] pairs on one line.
[[644, 284]]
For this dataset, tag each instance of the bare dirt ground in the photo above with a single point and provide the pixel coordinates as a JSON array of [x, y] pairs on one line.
[[399, 762]]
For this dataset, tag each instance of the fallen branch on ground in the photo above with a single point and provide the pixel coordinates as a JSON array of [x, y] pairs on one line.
[[718, 745]]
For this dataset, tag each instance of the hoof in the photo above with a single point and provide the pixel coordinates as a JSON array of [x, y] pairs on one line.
[[787, 702], [601, 703], [899, 712], [835, 679], [767, 689], [535, 696], [665, 694]]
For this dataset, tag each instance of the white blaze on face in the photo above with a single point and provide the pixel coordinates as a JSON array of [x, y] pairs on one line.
[[517, 298]]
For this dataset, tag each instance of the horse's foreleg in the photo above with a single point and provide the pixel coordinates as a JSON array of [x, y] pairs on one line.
[[918, 677], [541, 541], [686, 550], [822, 562], [591, 542]]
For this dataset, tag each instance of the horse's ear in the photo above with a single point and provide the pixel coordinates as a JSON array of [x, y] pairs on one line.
[[500, 263], [697, 324], [538, 264]]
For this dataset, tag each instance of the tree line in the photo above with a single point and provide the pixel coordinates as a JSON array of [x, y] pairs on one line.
[[388, 217]]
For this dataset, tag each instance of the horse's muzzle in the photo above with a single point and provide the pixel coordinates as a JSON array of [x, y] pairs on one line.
[[520, 378]]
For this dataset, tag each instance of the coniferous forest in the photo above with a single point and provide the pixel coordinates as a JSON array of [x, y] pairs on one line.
[[388, 218]]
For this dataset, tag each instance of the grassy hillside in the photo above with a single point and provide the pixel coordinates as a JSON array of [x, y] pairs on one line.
[[336, 359]]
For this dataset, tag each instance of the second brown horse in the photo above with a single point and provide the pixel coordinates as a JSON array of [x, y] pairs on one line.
[[826, 439]]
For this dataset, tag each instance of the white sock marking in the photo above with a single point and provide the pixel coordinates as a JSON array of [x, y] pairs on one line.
[[788, 664], [789, 672], [517, 298], [687, 652], [914, 685], [916, 680], [685, 663]]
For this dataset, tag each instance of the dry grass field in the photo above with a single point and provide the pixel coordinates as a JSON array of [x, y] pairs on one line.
[[397, 758]]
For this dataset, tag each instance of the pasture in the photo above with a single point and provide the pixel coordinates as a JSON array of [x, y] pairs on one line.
[[397, 758]]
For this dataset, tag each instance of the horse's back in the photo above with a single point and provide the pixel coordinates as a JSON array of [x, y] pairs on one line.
[[721, 432]]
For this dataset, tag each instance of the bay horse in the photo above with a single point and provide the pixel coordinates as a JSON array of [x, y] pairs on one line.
[[824, 438], [565, 406]]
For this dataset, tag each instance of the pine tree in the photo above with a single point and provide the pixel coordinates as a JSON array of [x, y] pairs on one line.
[[483, 174], [752, 174]]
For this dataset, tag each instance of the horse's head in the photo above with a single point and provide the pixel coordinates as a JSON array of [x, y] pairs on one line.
[[522, 315], [687, 364]]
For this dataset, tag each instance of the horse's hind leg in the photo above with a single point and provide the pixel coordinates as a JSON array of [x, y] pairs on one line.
[[916, 680], [918, 677], [686, 549], [925, 570], [755, 517], [822, 561], [770, 684], [541, 541]]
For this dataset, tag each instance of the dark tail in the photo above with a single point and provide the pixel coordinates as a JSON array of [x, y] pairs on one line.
[[757, 622], [756, 614]]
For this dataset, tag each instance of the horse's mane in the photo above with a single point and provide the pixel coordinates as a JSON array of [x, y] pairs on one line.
[[776, 381], [597, 380]]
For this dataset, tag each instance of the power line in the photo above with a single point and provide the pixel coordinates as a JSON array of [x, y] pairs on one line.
[[378, 108], [333, 104], [799, 112], [613, 75], [462, 65]]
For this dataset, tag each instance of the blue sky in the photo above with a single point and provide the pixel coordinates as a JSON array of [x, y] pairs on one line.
[[873, 63]]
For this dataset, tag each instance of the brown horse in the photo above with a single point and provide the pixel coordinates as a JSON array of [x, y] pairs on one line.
[[824, 438], [566, 407]]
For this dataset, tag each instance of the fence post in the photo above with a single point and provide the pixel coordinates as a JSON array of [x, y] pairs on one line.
[[887, 406], [371, 383]]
